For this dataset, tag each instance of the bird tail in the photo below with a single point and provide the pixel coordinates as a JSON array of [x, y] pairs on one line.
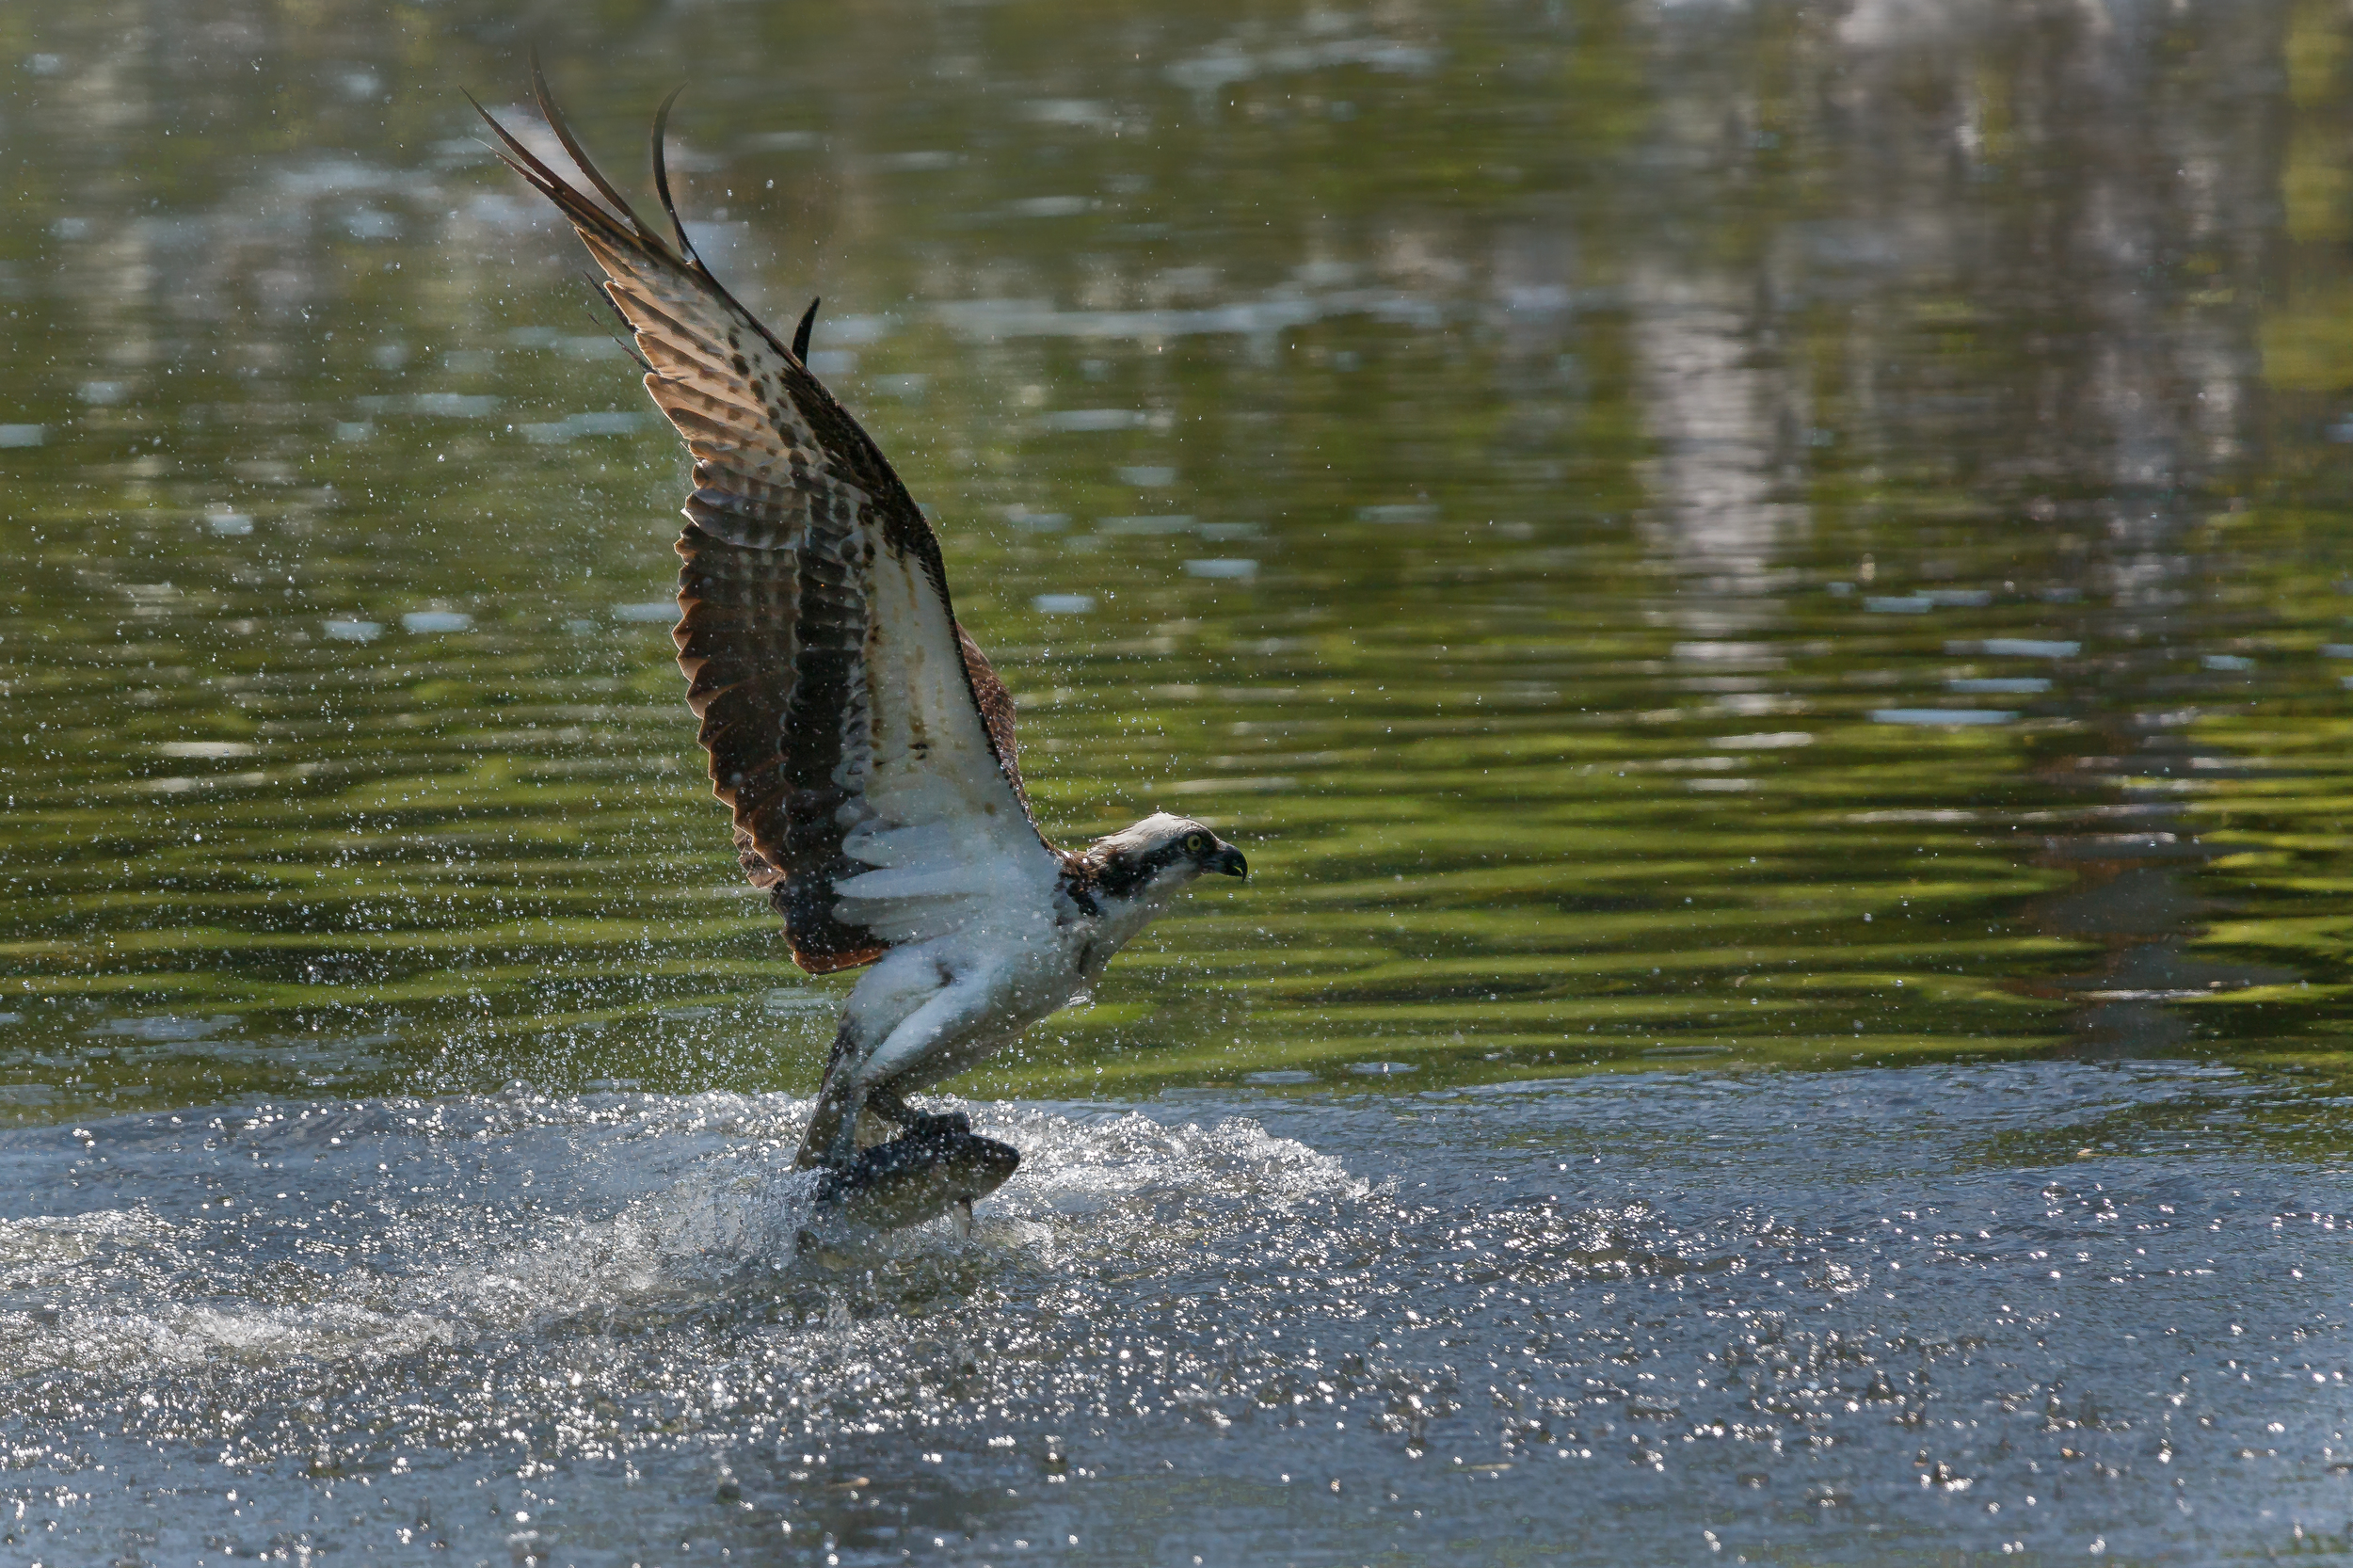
[[833, 1103]]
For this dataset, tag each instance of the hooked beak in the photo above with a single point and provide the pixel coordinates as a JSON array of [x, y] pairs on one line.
[[1228, 860]]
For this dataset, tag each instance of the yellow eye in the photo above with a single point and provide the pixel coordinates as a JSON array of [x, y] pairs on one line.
[[1196, 842]]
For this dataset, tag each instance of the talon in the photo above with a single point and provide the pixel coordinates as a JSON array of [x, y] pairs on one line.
[[960, 1216]]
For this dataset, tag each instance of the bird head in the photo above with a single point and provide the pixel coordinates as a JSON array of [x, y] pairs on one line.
[[1160, 854]]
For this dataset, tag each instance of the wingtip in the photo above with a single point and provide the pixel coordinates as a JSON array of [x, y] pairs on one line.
[[511, 152], [538, 77], [800, 333], [662, 171], [487, 119], [545, 98]]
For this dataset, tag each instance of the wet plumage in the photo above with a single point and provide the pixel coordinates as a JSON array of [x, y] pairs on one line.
[[855, 731]]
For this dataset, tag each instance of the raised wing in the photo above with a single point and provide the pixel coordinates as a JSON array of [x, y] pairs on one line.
[[860, 736]]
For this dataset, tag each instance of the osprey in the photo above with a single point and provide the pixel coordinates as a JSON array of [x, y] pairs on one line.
[[855, 730]]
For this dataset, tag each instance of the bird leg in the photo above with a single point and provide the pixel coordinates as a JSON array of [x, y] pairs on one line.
[[936, 1165], [840, 1115], [864, 1078]]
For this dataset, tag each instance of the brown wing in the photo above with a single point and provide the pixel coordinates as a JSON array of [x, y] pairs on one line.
[[855, 730]]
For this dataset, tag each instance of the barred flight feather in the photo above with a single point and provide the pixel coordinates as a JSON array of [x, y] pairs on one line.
[[841, 706]]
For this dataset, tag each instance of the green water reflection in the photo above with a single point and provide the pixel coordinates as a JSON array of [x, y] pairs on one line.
[[1688, 535]]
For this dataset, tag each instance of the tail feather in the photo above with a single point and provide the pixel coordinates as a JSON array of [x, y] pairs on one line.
[[833, 1104]]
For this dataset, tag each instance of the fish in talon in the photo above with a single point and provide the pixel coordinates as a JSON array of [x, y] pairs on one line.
[[855, 731], [935, 1169]]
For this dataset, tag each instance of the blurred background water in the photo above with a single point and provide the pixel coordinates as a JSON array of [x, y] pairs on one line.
[[1683, 540]]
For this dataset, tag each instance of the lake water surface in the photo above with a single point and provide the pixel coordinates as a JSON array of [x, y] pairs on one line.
[[1766, 589]]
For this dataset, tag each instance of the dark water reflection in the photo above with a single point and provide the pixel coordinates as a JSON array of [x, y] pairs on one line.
[[1679, 537]]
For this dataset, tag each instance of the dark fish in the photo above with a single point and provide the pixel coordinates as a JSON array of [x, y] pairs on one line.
[[938, 1167]]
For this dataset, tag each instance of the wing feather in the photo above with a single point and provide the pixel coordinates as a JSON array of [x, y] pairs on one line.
[[857, 733]]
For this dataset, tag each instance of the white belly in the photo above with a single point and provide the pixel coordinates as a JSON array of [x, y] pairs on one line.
[[981, 992]]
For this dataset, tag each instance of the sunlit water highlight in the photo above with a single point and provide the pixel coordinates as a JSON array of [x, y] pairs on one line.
[[1483, 1322]]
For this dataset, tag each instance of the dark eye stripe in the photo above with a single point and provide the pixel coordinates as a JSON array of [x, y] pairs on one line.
[[1121, 877]]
